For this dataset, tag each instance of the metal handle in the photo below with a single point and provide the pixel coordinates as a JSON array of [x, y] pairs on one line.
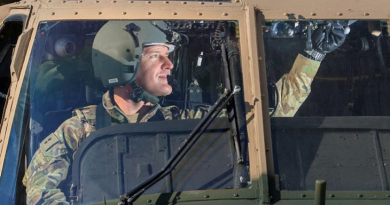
[[320, 192]]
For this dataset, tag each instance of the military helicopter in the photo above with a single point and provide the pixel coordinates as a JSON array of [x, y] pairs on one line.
[[272, 102]]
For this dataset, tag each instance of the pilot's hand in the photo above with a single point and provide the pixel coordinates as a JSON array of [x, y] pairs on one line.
[[326, 38]]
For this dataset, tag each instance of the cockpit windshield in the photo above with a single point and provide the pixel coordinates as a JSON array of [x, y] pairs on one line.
[[107, 103]]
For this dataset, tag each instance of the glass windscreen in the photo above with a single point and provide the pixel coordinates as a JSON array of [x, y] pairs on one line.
[[9, 34], [107, 104], [329, 94]]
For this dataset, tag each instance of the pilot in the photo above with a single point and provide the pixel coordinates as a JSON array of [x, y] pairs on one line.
[[135, 67], [140, 49]]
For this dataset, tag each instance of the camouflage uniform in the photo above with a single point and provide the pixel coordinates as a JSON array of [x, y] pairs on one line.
[[50, 164], [295, 86]]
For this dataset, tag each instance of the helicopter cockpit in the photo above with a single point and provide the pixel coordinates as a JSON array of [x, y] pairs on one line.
[[323, 107], [111, 161]]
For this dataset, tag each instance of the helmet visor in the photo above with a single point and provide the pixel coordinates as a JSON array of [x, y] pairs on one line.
[[170, 47]]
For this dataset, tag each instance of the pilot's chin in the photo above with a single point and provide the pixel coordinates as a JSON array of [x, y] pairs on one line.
[[167, 90]]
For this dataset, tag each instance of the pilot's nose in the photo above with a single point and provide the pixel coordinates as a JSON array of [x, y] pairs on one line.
[[167, 63]]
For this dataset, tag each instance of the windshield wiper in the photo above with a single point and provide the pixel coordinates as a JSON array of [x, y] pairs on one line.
[[230, 108], [134, 194]]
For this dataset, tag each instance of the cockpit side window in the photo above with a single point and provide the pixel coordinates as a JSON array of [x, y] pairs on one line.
[[9, 33], [8, 37]]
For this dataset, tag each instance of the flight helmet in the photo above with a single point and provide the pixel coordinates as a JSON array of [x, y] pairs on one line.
[[118, 45]]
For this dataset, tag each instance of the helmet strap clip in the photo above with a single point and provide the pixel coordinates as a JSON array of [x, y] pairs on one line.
[[139, 94]]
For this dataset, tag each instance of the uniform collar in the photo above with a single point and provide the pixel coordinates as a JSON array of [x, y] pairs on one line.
[[116, 113]]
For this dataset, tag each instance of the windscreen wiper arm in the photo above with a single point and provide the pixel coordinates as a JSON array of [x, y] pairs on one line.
[[230, 108], [134, 194]]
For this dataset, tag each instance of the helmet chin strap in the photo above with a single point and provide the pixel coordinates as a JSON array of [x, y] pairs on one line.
[[139, 94]]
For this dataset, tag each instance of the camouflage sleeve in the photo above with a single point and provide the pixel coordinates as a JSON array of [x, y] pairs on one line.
[[294, 87], [48, 169], [198, 112]]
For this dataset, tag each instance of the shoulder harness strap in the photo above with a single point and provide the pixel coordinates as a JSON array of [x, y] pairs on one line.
[[103, 119]]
